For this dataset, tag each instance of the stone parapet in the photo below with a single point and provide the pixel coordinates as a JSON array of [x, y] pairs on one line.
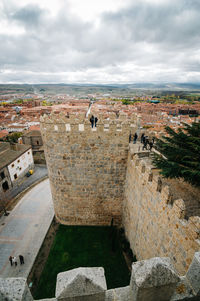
[[152, 279], [79, 123], [151, 218], [14, 289], [81, 284]]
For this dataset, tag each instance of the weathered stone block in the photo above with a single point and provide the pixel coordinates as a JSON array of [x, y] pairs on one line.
[[118, 294], [82, 284], [183, 291], [153, 279], [51, 299], [193, 273], [14, 289]]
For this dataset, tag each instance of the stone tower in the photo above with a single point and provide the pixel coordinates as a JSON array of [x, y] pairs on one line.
[[87, 166]]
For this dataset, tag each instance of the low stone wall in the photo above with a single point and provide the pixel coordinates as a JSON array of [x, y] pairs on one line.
[[153, 224], [187, 192], [151, 280], [39, 157]]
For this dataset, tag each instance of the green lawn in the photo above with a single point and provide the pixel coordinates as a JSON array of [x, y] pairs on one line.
[[80, 246]]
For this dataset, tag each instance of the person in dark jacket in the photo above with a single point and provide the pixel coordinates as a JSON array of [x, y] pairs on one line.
[[10, 259], [135, 138], [145, 145], [95, 121], [92, 121], [21, 259], [150, 145], [130, 138], [145, 142], [142, 138]]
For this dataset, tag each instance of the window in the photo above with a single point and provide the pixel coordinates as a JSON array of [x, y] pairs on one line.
[[5, 186], [13, 165], [37, 142], [18, 161], [2, 175], [28, 153], [20, 168], [15, 176]]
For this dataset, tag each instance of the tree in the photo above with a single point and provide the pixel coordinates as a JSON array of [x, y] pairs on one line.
[[13, 138], [180, 153]]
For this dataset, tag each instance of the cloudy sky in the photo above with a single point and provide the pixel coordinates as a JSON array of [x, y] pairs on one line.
[[99, 41]]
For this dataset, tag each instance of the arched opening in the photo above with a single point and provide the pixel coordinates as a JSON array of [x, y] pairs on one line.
[[5, 186]]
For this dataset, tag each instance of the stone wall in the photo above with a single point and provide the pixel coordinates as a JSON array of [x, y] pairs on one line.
[[95, 178], [39, 157], [190, 194], [34, 140], [154, 279], [154, 225], [87, 166]]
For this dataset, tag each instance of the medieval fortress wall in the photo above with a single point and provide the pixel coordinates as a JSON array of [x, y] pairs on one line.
[[154, 224], [95, 177], [154, 279], [87, 166]]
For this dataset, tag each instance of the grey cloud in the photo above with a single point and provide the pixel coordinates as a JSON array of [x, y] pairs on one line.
[[146, 35], [174, 22], [30, 15]]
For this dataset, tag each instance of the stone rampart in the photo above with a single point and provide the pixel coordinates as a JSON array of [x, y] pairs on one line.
[[154, 225], [87, 166], [154, 279]]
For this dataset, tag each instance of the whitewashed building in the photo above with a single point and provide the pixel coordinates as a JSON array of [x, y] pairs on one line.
[[15, 161]]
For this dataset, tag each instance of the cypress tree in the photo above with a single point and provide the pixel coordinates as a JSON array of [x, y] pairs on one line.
[[179, 153]]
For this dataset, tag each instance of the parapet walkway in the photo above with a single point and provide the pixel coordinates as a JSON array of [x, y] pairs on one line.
[[23, 231]]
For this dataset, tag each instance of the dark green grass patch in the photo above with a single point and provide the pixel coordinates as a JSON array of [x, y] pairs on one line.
[[80, 246]]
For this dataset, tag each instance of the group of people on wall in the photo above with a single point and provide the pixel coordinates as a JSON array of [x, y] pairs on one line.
[[145, 140], [93, 121]]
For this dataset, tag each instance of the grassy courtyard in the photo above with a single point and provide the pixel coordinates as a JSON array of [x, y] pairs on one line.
[[75, 247]]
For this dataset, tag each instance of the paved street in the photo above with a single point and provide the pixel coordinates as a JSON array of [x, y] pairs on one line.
[[23, 231], [40, 171]]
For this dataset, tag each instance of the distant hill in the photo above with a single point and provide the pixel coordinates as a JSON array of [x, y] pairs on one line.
[[115, 89]]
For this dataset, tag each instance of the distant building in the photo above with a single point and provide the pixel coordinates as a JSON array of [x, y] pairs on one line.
[[34, 139], [3, 134], [16, 127], [15, 161]]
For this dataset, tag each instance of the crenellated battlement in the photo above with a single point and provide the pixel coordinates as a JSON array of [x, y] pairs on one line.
[[150, 176], [79, 123], [61, 117], [151, 279], [164, 224]]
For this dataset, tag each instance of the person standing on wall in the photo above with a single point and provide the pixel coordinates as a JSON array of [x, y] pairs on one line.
[[130, 138], [142, 138], [135, 138], [92, 121], [150, 145], [95, 121]]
